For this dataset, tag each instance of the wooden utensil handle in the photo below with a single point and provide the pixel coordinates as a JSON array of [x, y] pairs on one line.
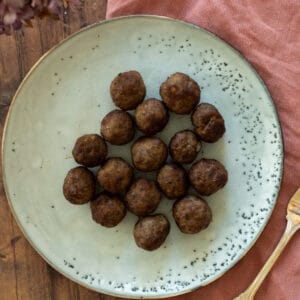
[[251, 290]]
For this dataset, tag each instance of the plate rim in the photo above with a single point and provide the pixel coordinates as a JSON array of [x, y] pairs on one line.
[[187, 24]]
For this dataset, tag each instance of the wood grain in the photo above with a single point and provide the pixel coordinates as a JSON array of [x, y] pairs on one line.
[[23, 273]]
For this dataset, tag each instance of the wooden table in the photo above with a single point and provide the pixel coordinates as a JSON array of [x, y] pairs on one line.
[[23, 273]]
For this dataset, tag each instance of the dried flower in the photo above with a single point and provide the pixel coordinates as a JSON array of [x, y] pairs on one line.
[[15, 13]]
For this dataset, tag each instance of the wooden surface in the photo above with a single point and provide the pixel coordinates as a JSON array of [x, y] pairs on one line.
[[23, 273]]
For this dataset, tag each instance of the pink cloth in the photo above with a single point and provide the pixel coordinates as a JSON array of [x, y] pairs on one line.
[[267, 32]]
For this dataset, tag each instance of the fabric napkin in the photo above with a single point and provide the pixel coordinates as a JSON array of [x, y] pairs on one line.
[[267, 33]]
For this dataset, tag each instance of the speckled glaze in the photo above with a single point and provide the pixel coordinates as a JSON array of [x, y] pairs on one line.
[[67, 94]]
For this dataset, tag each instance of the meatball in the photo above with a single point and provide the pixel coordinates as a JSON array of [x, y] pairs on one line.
[[192, 214], [180, 93], [173, 180], [143, 197], [90, 150], [151, 232], [207, 176], [115, 175], [208, 123], [151, 116], [117, 127], [148, 153], [128, 90], [108, 210], [184, 147], [79, 185]]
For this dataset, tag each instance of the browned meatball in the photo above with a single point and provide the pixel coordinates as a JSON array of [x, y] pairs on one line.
[[207, 176], [117, 127], [128, 90], [143, 197], [173, 180], [151, 116], [180, 93], [108, 210], [208, 123], [191, 214], [148, 153], [79, 185], [184, 146], [151, 232], [115, 175], [90, 150]]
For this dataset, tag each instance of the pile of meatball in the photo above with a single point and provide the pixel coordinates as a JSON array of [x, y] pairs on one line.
[[120, 190]]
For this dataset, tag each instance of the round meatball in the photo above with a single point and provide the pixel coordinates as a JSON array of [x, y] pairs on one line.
[[115, 175], [90, 150], [151, 116], [108, 210], [184, 147], [208, 123], [191, 214], [151, 232], [207, 176], [117, 127], [79, 185], [180, 93], [173, 180], [148, 153], [128, 90], [143, 197]]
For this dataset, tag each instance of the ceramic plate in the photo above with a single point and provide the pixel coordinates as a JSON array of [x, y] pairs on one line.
[[66, 94]]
